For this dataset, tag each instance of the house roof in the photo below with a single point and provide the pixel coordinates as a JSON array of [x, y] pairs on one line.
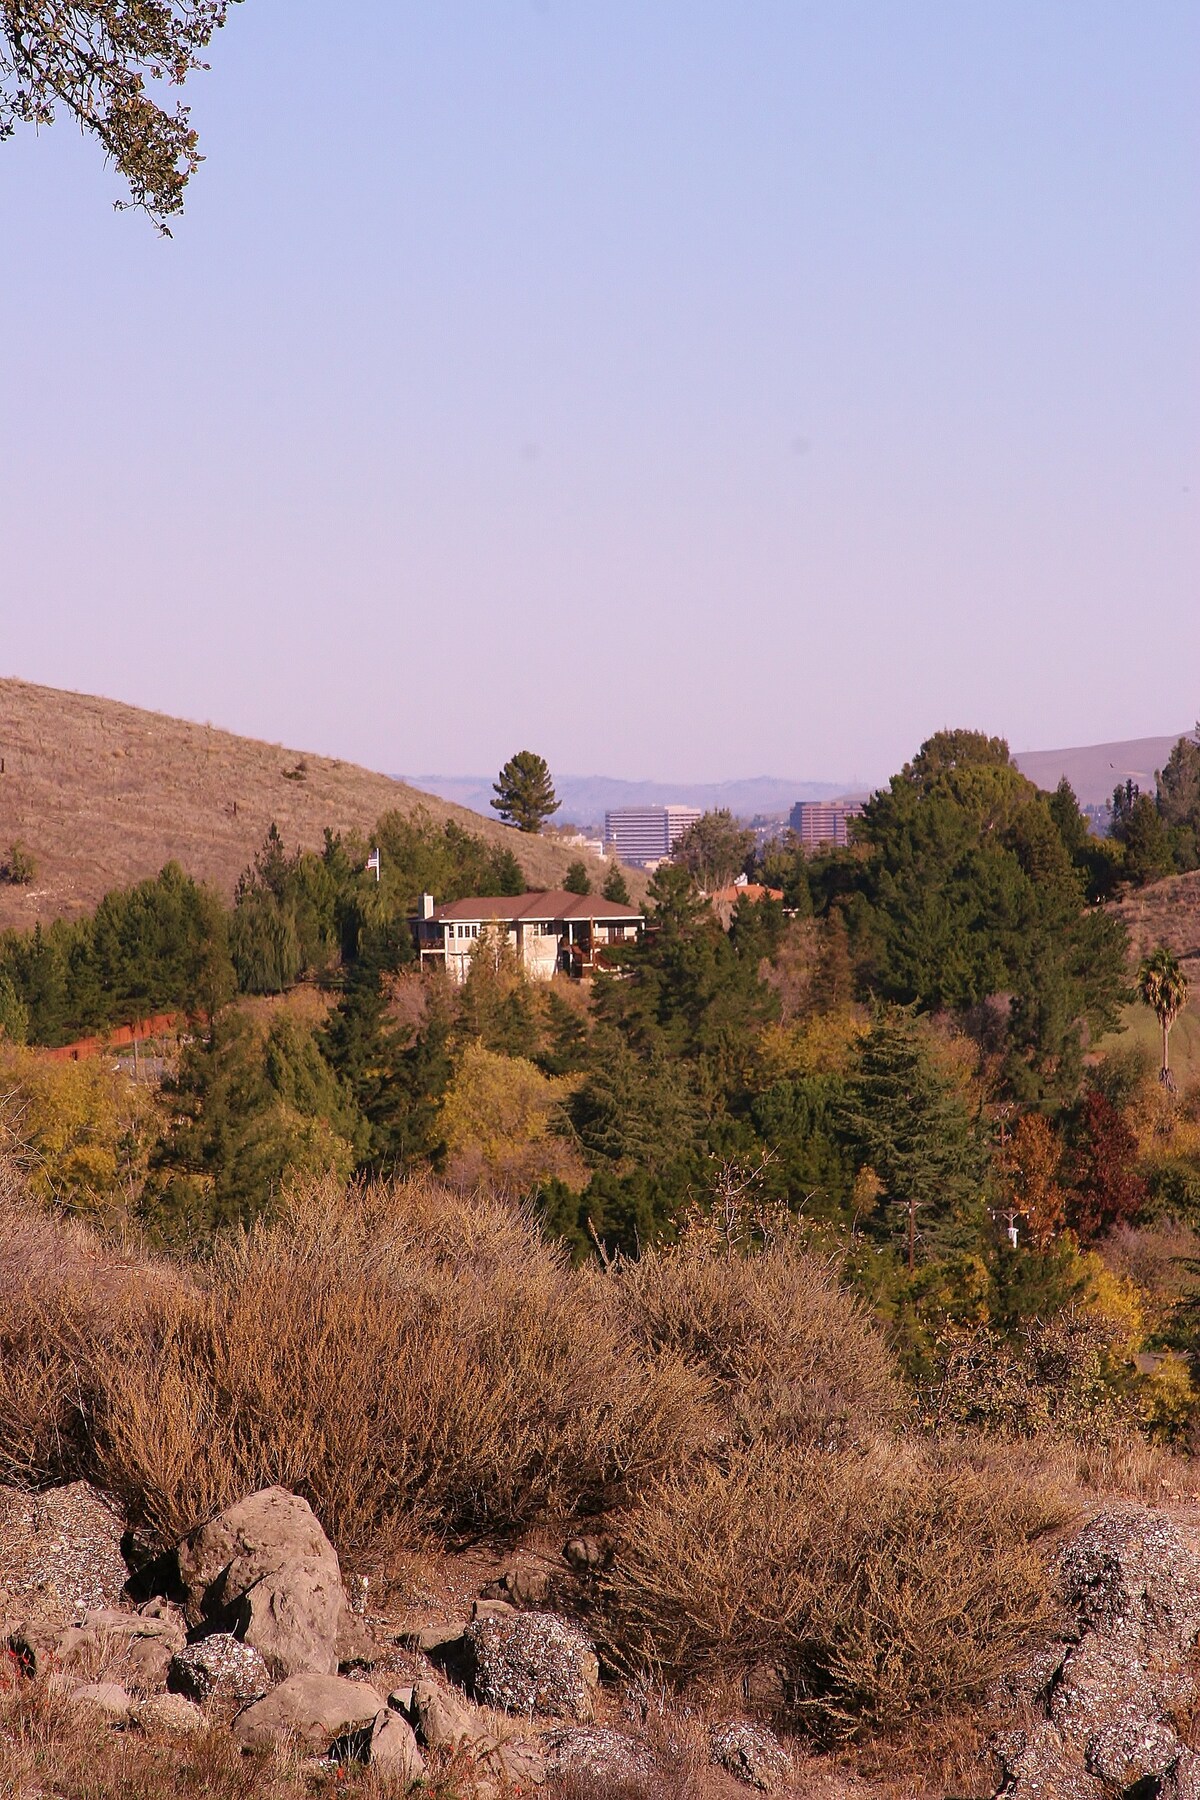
[[554, 906], [746, 890]]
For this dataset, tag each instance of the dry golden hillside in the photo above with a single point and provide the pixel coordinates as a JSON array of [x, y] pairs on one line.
[[104, 794], [1166, 912]]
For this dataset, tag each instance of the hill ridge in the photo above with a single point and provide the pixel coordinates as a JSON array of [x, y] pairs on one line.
[[104, 793]]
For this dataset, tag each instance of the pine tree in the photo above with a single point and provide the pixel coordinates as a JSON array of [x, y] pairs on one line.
[[909, 1123], [577, 880], [525, 792], [615, 890]]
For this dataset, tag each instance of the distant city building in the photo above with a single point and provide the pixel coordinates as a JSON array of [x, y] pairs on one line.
[[822, 822], [644, 835]]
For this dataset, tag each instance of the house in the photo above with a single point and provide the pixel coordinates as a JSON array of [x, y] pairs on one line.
[[725, 901], [550, 932]]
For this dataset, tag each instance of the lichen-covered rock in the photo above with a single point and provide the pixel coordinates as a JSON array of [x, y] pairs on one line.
[[752, 1753], [265, 1571], [169, 1712], [314, 1710], [222, 1668], [1103, 1695], [67, 1538], [597, 1753], [533, 1663]]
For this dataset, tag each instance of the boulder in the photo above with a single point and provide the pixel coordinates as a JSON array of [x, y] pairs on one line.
[[265, 1571], [1099, 1703], [141, 1645], [598, 1754], [106, 1697], [752, 1753], [220, 1667], [169, 1712], [314, 1710], [533, 1663], [446, 1721], [524, 1589], [68, 1538], [392, 1750]]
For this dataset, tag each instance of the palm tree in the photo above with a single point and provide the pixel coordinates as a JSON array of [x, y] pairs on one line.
[[1163, 987]]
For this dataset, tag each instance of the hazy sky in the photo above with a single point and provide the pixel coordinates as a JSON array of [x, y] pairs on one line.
[[679, 389]]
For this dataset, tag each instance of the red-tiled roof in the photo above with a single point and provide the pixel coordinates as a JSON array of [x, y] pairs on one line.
[[555, 905], [746, 890]]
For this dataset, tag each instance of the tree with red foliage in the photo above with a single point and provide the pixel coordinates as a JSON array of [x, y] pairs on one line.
[[1105, 1187]]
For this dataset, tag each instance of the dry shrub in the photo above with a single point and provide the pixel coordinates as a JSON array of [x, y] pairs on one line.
[[406, 1358], [793, 1357], [63, 1297], [879, 1583]]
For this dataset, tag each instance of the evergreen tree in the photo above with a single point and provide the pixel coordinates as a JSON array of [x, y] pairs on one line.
[[524, 792], [576, 880], [908, 1122], [615, 889]]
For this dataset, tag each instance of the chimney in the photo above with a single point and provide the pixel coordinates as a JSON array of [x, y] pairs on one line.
[[426, 906]]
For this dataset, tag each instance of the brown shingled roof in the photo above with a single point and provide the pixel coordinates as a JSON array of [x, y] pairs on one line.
[[556, 904]]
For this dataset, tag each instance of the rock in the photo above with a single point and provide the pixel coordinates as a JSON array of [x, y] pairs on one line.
[[445, 1720], [169, 1712], [1131, 1750], [752, 1753], [599, 1754], [392, 1749], [533, 1663], [34, 1632], [107, 1697], [587, 1554], [220, 1667], [434, 1637], [265, 1570], [493, 1609], [315, 1710], [523, 1589], [355, 1646], [1101, 1698], [68, 1538], [141, 1645]]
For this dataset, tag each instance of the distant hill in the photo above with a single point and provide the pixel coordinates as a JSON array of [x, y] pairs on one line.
[[104, 794], [586, 798], [1094, 770]]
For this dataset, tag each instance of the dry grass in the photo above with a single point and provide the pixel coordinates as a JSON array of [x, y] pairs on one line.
[[104, 794], [63, 1299], [881, 1585], [791, 1355], [50, 1748], [408, 1359]]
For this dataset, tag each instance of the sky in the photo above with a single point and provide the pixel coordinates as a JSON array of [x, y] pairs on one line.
[[683, 391]]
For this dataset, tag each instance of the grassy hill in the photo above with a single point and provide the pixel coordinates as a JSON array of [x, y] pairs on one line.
[[104, 794], [1094, 770], [1166, 912]]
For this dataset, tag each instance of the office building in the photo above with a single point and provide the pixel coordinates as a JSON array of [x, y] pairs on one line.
[[644, 835]]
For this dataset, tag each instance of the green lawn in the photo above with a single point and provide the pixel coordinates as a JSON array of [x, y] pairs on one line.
[[1139, 1026]]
